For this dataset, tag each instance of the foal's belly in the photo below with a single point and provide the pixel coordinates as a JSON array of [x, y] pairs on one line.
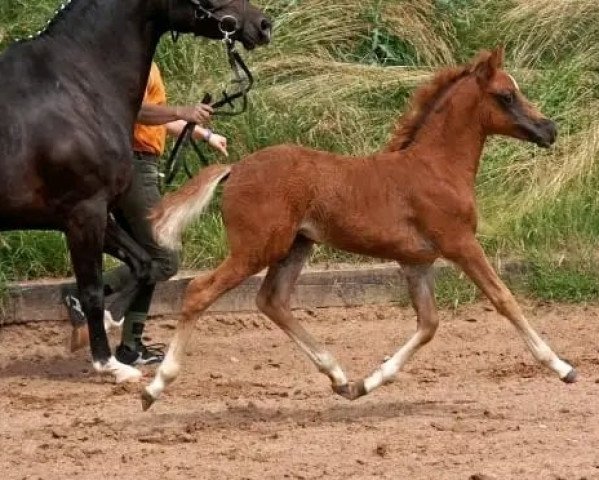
[[401, 243]]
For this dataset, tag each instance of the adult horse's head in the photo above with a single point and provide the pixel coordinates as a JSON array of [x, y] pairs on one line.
[[506, 111], [217, 18]]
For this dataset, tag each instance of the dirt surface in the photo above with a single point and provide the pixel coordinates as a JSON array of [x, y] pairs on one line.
[[471, 405]]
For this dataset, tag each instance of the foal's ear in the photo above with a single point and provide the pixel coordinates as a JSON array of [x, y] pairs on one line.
[[497, 57], [486, 64]]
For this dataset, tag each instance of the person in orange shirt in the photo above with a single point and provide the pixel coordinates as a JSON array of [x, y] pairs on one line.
[[155, 121]]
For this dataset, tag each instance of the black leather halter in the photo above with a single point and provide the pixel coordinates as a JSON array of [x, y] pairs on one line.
[[205, 10]]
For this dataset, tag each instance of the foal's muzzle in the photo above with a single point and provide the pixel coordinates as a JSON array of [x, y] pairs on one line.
[[543, 132]]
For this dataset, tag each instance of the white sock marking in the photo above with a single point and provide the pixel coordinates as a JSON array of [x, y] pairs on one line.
[[121, 372]]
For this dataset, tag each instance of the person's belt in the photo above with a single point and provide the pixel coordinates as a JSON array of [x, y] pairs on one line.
[[146, 155]]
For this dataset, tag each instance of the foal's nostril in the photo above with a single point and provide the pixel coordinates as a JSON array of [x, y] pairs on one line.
[[548, 130]]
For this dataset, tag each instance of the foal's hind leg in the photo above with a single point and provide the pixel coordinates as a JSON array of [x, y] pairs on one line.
[[472, 260], [273, 300], [200, 294], [421, 287]]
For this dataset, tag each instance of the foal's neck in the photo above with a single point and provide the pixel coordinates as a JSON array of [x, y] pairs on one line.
[[453, 138]]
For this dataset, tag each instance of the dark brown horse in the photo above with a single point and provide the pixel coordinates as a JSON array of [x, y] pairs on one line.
[[69, 99], [413, 203]]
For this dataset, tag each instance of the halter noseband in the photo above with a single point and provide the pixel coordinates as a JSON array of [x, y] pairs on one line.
[[204, 10]]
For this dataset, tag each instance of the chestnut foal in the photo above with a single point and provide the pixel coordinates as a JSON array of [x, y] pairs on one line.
[[412, 203]]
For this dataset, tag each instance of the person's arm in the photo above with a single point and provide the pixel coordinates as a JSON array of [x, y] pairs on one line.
[[215, 140], [160, 114]]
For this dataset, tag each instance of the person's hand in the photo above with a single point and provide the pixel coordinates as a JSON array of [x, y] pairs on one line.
[[218, 142], [199, 114]]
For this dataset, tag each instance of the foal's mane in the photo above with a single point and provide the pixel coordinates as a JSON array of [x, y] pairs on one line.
[[424, 100]]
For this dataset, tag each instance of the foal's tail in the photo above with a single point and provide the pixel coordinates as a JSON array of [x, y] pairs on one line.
[[179, 208]]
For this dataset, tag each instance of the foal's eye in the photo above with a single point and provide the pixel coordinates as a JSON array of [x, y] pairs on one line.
[[506, 98]]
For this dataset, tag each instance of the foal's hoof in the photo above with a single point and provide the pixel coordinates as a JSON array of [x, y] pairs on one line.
[[351, 390], [571, 377], [147, 400]]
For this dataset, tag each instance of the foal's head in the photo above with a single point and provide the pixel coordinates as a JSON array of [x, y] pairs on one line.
[[503, 108], [217, 18], [499, 105]]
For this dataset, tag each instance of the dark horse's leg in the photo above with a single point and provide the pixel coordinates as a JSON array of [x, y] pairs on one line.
[[85, 232], [121, 245]]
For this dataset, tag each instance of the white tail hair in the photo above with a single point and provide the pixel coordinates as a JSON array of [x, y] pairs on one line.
[[179, 208]]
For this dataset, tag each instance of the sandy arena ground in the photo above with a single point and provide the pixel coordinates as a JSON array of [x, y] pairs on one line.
[[472, 405]]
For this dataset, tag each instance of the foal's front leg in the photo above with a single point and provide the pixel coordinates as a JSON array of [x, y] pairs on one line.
[[472, 260]]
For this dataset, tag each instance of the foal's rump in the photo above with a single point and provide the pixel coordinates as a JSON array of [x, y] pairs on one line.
[[275, 179]]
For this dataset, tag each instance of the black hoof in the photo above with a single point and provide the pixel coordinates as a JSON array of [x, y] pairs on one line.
[[351, 390], [147, 400], [571, 377]]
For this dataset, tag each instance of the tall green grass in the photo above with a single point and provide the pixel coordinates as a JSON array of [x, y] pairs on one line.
[[337, 76]]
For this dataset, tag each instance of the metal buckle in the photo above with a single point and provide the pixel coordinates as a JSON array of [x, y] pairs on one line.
[[221, 22]]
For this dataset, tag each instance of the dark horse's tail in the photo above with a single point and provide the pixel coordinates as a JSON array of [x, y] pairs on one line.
[[179, 208]]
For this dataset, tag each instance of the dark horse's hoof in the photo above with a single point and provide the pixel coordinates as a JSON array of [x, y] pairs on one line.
[[147, 400], [351, 390], [571, 377]]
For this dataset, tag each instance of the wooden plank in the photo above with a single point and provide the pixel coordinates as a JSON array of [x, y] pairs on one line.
[[316, 288]]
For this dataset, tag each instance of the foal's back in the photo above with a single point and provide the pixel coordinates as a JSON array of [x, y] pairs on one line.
[[358, 204]]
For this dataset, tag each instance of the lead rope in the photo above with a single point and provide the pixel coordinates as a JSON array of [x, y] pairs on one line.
[[242, 77]]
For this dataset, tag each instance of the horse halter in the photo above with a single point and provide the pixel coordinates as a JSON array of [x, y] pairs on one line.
[[227, 24], [203, 12]]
